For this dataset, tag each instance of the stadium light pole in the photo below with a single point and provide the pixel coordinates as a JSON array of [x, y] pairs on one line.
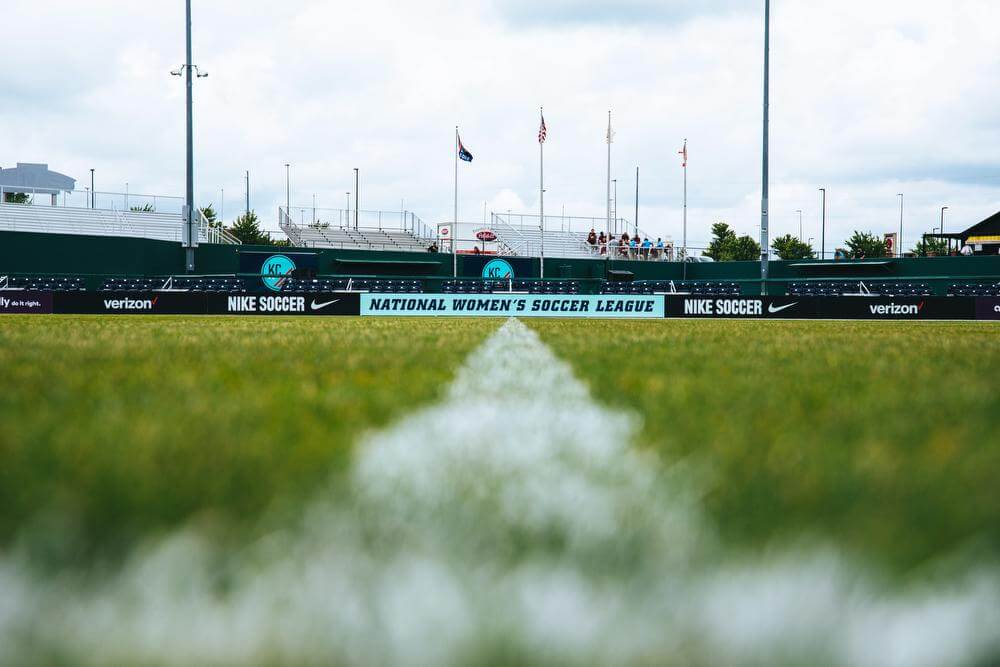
[[348, 209], [357, 183], [248, 193], [288, 190], [188, 69], [822, 252], [92, 197], [943, 209], [899, 241], [764, 177], [799, 211]]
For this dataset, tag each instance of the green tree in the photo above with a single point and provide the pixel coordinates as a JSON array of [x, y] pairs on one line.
[[745, 249], [723, 238], [789, 247], [866, 244], [727, 247], [247, 229], [211, 216], [16, 198], [929, 247]]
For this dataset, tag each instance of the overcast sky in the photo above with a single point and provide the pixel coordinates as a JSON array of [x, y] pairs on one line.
[[870, 98]]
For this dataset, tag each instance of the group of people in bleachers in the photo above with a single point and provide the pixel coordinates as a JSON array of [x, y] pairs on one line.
[[625, 246]]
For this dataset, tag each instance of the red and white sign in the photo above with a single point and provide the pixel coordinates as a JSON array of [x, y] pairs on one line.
[[486, 235], [890, 243]]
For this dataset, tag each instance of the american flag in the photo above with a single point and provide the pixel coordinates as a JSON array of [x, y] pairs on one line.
[[684, 152], [542, 132]]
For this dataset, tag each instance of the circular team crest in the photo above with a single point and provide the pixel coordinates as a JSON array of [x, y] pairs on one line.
[[498, 269], [275, 270]]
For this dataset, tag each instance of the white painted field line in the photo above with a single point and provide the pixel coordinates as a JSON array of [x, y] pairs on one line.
[[512, 521]]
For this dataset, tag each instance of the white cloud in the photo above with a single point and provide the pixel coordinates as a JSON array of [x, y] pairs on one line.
[[868, 99]]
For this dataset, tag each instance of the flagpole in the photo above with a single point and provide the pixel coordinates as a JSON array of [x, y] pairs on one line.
[[685, 207], [541, 195], [454, 222], [637, 201], [609, 175]]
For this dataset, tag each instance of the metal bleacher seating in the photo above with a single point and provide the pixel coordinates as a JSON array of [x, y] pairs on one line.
[[354, 285], [671, 287], [357, 239], [522, 286], [104, 222], [838, 288], [974, 289], [43, 283]]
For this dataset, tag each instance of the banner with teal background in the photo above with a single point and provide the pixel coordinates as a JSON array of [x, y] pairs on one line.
[[513, 305]]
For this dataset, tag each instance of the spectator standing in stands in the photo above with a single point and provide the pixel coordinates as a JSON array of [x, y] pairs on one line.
[[624, 244], [966, 250], [633, 248], [612, 246], [659, 249], [602, 241], [647, 245], [433, 247], [592, 240]]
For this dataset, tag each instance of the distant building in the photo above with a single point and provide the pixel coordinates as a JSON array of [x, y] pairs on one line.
[[983, 238], [34, 179]]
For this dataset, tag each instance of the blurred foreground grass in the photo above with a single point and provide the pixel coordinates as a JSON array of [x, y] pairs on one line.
[[882, 437], [115, 428]]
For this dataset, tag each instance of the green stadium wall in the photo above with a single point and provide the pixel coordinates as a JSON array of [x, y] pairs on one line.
[[103, 256]]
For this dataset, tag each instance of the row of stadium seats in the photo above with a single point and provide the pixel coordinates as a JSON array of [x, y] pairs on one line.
[[132, 284], [491, 286], [974, 289], [671, 286], [475, 286], [44, 283], [210, 284], [838, 288], [361, 285]]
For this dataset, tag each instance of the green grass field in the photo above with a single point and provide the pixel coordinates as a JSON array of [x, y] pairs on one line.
[[880, 436], [879, 439]]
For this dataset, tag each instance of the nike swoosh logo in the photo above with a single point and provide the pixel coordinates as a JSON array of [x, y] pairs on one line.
[[321, 306], [772, 309]]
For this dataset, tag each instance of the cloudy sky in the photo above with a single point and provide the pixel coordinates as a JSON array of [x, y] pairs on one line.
[[870, 98]]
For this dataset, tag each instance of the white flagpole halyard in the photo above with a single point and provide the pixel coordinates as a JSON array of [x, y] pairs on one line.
[[542, 131]]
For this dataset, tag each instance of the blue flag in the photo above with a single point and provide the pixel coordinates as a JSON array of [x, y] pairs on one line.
[[463, 154]]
